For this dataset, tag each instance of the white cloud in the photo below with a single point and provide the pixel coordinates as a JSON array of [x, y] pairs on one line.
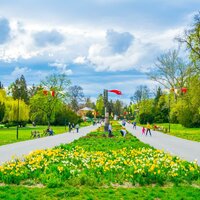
[[133, 58], [18, 71], [96, 47], [80, 60], [61, 67]]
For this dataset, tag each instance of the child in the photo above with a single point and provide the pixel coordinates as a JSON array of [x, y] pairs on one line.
[[143, 130]]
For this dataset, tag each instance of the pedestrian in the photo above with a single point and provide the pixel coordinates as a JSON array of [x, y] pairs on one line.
[[73, 127], [148, 129], [134, 125], [50, 131], [143, 130], [69, 126], [123, 122], [77, 127], [123, 132], [110, 130]]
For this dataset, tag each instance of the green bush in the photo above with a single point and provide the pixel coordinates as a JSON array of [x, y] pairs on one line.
[[146, 117]]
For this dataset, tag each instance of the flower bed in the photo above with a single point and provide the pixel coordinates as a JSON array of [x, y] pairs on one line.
[[143, 165]]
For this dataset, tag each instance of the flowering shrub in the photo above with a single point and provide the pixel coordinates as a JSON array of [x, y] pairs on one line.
[[142, 166]]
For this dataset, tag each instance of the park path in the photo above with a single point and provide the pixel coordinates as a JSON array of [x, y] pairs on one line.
[[185, 149], [7, 152]]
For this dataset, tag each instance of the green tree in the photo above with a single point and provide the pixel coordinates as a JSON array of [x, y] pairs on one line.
[[64, 115], [1, 85], [170, 70], [142, 92], [110, 107], [32, 91], [89, 114], [118, 108], [76, 95], [100, 105], [191, 38], [89, 103], [2, 111], [46, 104], [161, 110], [12, 110], [19, 89]]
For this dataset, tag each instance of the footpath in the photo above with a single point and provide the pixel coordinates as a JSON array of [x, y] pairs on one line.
[[185, 149], [10, 151]]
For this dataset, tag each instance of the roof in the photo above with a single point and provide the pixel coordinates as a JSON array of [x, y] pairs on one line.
[[87, 109]]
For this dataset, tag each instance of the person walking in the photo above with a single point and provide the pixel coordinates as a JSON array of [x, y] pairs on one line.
[[73, 127], [77, 127], [143, 130], [69, 126], [148, 129], [134, 125]]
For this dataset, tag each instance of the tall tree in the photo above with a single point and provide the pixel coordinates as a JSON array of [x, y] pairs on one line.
[[3, 100], [32, 90], [110, 107], [76, 95], [1, 85], [89, 103], [170, 70], [118, 107], [100, 105], [19, 89], [142, 92], [191, 38], [158, 95], [2, 110], [45, 103]]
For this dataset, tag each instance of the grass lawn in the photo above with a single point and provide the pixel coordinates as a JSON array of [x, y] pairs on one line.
[[99, 193], [98, 167], [179, 131], [8, 135]]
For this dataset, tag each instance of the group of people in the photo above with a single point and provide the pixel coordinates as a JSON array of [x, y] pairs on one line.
[[50, 131], [145, 131], [122, 131], [72, 127]]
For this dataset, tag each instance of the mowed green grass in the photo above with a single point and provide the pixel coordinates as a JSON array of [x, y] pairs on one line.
[[99, 193], [179, 131], [8, 135]]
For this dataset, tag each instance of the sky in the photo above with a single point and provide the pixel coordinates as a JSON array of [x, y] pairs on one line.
[[99, 44]]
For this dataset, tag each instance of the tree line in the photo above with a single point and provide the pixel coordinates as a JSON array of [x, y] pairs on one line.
[[53, 101], [178, 98]]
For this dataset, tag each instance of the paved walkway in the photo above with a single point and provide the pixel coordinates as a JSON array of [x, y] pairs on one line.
[[186, 149], [21, 148]]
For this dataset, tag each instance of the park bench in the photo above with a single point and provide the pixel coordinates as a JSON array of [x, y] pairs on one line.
[[160, 128], [47, 133], [35, 134]]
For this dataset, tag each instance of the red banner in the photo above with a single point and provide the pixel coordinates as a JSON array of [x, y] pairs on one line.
[[118, 92]]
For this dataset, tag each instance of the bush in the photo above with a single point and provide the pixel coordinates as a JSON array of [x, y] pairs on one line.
[[146, 117]]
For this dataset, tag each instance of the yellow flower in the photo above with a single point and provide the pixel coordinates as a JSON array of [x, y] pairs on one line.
[[60, 169]]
